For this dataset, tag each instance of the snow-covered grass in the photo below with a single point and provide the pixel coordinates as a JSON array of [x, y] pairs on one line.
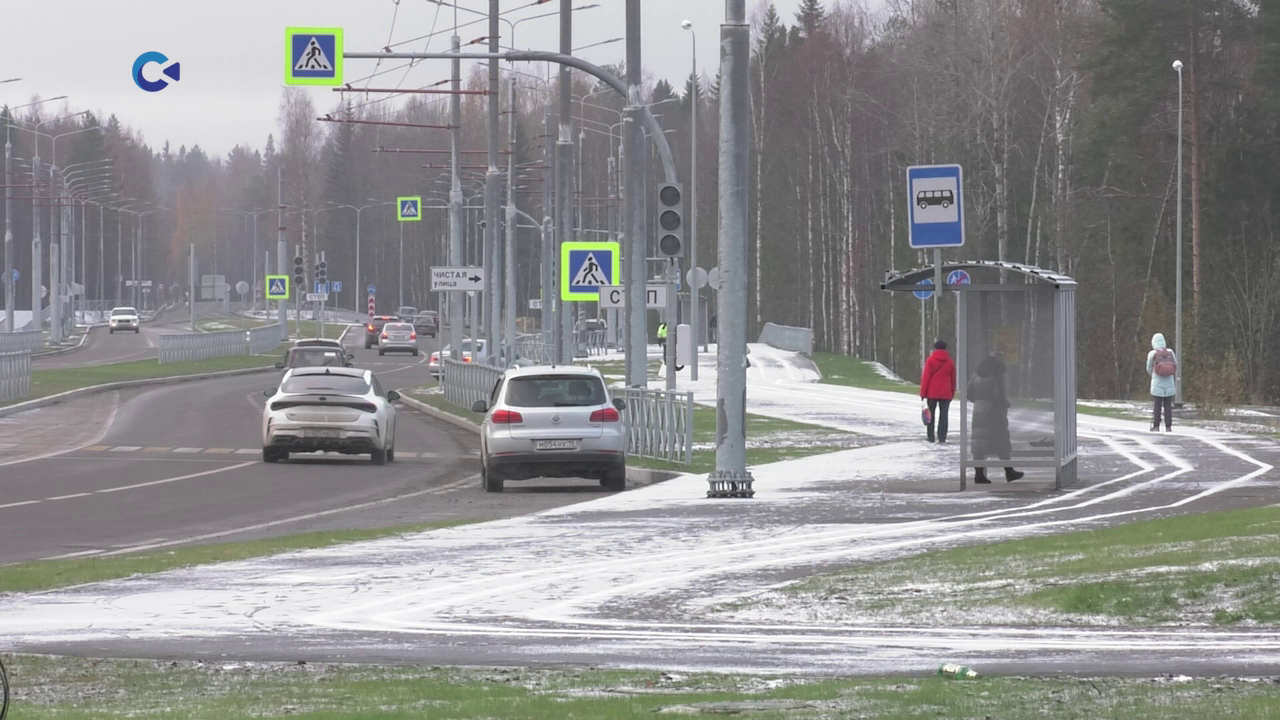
[[1211, 569]]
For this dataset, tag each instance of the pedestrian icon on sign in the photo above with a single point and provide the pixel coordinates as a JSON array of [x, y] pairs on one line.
[[590, 273], [409, 209], [313, 58]]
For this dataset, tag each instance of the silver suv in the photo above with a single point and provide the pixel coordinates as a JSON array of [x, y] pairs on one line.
[[556, 422]]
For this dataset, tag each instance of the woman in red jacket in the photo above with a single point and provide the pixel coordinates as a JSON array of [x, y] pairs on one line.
[[938, 387]]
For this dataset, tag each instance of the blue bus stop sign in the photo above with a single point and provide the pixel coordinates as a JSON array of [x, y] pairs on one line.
[[925, 294], [936, 212]]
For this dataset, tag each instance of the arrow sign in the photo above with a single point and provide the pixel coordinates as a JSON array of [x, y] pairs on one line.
[[470, 279]]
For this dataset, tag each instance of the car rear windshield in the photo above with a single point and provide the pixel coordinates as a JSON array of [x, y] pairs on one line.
[[408, 310], [554, 391], [339, 384], [315, 357], [378, 322], [119, 312], [398, 327]]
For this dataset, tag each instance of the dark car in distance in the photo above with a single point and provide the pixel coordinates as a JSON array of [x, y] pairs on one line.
[[427, 323], [373, 329]]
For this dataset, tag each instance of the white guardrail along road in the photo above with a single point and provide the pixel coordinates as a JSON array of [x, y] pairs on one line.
[[15, 375], [25, 341], [202, 346]]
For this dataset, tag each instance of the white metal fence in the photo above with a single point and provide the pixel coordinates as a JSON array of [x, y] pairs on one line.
[[659, 424], [785, 337], [15, 375], [25, 341], [202, 346], [592, 343], [466, 382], [535, 350]]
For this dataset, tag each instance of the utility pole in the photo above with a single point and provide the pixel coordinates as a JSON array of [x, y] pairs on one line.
[[550, 293], [492, 181], [695, 320], [731, 478], [456, 298], [282, 262], [9, 289], [55, 259], [633, 147], [564, 174], [37, 246], [509, 259]]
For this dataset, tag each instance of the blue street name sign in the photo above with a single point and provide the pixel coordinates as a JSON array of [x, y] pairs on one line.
[[936, 212]]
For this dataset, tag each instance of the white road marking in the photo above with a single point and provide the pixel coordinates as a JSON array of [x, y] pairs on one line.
[[472, 480], [66, 497], [176, 479], [20, 504], [188, 450], [68, 556], [126, 448]]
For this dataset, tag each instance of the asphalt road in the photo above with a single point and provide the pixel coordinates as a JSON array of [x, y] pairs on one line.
[[103, 347], [179, 464]]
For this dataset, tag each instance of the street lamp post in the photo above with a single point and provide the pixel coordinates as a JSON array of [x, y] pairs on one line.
[[1177, 385], [694, 290]]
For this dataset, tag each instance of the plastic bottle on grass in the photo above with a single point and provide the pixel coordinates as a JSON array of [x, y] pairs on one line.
[[957, 672]]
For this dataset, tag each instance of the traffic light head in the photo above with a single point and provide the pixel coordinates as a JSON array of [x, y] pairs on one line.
[[299, 272], [322, 271], [670, 220]]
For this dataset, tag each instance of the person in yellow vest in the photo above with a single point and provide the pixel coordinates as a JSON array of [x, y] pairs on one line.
[[662, 332]]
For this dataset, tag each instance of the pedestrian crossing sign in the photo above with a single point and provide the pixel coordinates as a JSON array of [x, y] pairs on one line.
[[312, 56], [585, 267], [277, 287], [409, 209]]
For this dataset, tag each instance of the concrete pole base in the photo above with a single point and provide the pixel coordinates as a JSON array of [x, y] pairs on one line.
[[730, 485]]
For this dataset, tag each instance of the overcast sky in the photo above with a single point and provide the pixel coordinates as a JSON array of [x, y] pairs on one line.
[[232, 52]]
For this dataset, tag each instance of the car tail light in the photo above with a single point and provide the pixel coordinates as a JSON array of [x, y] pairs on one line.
[[507, 417], [466, 359], [371, 327], [605, 415], [384, 336], [435, 358], [413, 336]]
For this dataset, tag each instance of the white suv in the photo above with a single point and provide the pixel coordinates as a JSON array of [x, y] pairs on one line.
[[557, 422], [123, 318]]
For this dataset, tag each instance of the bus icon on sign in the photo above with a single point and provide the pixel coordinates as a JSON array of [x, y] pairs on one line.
[[925, 198]]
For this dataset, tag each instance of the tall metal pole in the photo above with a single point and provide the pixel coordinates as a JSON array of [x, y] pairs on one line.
[[695, 320], [509, 260], [282, 262], [9, 289], [102, 256], [456, 298], [355, 305], [492, 188], [1177, 385], [550, 294], [55, 266], [634, 207], [731, 478], [191, 283], [37, 245], [400, 282], [564, 175], [120, 260]]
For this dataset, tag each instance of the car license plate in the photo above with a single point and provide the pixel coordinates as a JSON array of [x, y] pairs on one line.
[[321, 433], [555, 445], [399, 336]]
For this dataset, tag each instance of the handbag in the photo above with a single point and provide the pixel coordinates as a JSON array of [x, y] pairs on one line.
[[925, 416]]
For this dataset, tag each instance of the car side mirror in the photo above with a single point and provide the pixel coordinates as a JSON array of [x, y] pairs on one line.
[[269, 392], [620, 403], [393, 396], [479, 406], [279, 366]]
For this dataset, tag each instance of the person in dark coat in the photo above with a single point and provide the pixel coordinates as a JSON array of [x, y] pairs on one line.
[[937, 388], [990, 418]]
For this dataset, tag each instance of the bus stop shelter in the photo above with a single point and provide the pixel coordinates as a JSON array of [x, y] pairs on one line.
[[1025, 317]]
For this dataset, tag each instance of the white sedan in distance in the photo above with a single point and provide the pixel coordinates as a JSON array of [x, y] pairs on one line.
[[123, 318], [329, 409]]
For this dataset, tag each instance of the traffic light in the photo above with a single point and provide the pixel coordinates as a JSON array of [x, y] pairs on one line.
[[670, 220], [299, 273], [322, 272]]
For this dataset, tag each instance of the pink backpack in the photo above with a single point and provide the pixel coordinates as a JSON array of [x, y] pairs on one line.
[[1165, 365]]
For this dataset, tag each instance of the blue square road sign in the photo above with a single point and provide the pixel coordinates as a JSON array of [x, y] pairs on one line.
[[936, 212]]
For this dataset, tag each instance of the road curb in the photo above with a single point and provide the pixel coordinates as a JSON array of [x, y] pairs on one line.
[[122, 385], [638, 477], [63, 351]]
